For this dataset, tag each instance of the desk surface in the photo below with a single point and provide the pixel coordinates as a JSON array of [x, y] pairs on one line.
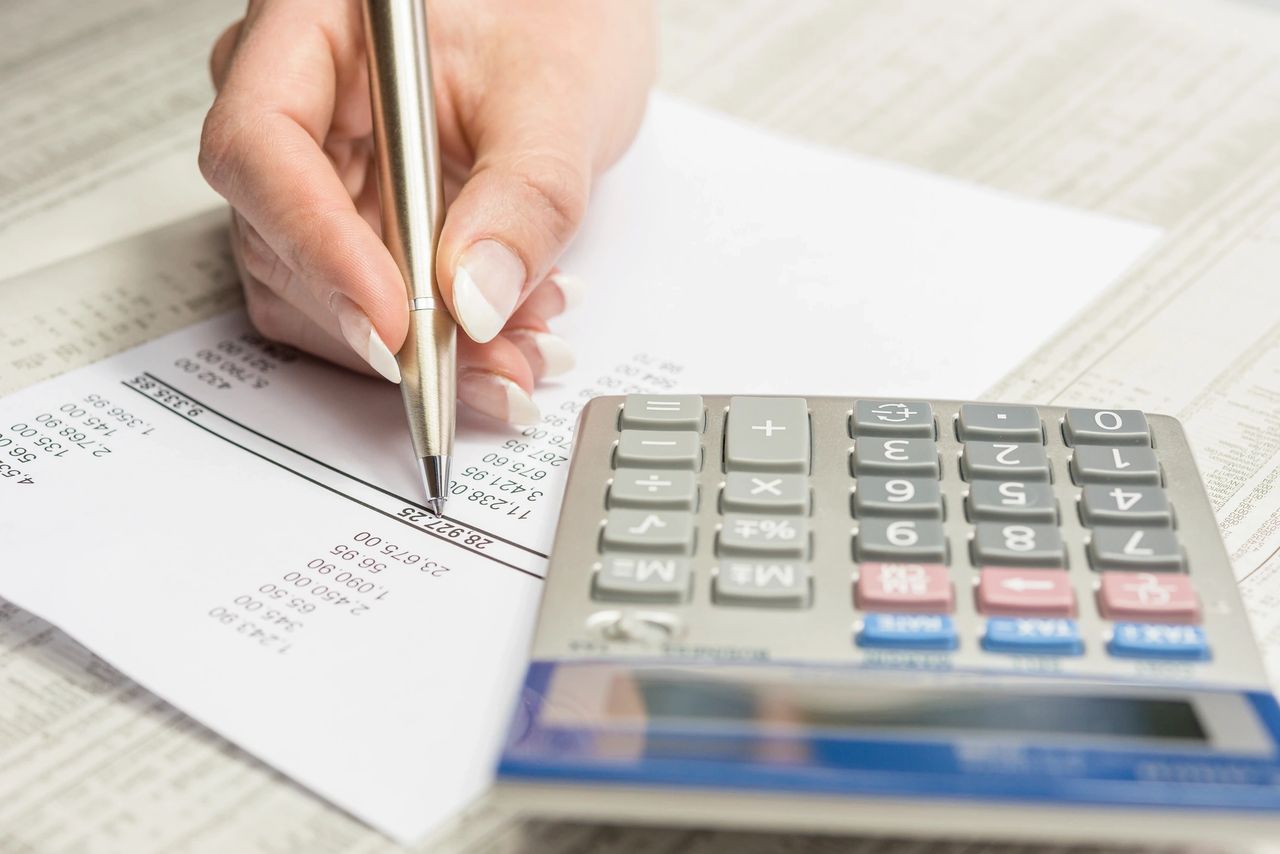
[[1164, 113]]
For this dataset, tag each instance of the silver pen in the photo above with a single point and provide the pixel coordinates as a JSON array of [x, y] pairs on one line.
[[412, 200]]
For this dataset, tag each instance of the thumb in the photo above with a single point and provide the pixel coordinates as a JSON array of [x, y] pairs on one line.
[[521, 205]]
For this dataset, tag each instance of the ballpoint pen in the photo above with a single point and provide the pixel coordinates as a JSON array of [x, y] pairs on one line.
[[412, 201]]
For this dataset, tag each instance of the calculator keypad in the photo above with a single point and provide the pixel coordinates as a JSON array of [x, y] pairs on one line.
[[1070, 546]]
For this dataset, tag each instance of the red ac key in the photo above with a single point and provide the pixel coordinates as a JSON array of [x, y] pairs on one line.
[[912, 588]]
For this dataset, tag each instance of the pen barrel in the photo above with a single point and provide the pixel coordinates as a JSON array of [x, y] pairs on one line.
[[412, 203]]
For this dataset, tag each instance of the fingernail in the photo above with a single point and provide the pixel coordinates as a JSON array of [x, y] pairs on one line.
[[497, 396], [486, 285], [548, 354], [364, 339], [573, 288]]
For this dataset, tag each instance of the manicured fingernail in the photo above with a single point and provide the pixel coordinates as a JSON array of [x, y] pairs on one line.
[[364, 339], [497, 396], [486, 285], [548, 354], [573, 288]]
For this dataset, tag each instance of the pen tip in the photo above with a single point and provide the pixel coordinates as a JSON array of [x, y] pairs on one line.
[[435, 481]]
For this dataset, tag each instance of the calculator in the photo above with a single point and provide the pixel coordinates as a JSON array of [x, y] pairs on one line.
[[889, 615]]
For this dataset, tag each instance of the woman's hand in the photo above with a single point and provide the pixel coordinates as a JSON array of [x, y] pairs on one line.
[[534, 99]]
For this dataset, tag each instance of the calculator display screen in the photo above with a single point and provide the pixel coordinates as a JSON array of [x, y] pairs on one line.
[[664, 700]]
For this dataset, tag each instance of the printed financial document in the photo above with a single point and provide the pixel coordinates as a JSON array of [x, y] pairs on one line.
[[241, 526]]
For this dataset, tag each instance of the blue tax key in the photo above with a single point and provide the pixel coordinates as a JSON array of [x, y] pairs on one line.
[[1034, 636], [1158, 640], [907, 631]]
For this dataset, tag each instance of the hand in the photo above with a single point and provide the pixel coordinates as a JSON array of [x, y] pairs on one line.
[[534, 99]]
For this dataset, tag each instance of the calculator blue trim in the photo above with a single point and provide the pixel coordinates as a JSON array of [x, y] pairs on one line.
[[927, 767]]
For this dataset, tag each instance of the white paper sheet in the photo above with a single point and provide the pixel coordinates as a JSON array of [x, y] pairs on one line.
[[180, 507]]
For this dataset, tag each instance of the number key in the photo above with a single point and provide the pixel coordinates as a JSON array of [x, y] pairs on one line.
[[1106, 427], [1017, 544], [895, 457], [897, 496], [1138, 549], [1013, 501], [901, 540], [1095, 464], [1005, 461], [1125, 505]]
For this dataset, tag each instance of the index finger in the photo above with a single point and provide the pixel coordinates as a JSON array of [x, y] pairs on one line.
[[262, 150]]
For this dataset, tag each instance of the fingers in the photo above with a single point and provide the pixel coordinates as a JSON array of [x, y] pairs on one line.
[[495, 378], [284, 87]]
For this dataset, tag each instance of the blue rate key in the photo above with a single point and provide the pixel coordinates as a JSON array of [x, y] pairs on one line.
[[907, 631], [1033, 636], [1158, 640]]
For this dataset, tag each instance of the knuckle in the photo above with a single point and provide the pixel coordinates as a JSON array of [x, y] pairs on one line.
[[225, 140], [558, 189], [217, 147]]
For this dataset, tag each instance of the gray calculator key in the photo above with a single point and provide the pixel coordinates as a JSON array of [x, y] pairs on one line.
[[658, 489], [1097, 464], [1125, 505], [1106, 427], [664, 412], [767, 434], [913, 540], [656, 531], [1004, 461], [874, 455], [1012, 501], [643, 578], [761, 585], [1017, 544], [892, 418], [992, 422], [916, 497], [766, 493], [659, 449], [770, 536], [1138, 549]]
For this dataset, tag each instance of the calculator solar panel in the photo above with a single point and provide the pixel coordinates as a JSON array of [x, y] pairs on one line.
[[902, 605]]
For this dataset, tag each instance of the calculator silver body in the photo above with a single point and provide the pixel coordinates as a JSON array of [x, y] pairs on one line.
[[807, 706]]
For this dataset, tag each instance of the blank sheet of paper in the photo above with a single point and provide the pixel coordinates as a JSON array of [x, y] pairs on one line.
[[237, 528]]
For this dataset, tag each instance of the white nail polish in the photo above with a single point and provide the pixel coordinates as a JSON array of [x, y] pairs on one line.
[[486, 284], [497, 396], [573, 288], [552, 350], [364, 339]]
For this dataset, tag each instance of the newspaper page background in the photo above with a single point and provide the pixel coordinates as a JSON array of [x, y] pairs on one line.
[[1161, 112]]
